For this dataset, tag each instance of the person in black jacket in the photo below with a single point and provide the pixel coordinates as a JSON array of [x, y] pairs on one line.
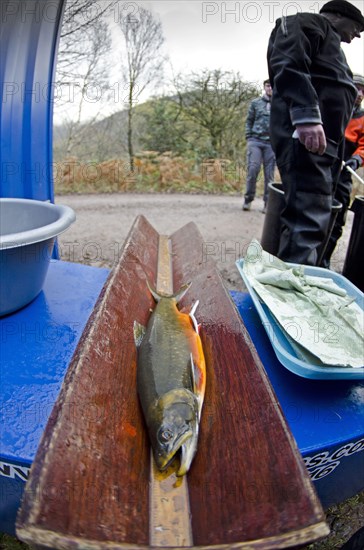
[[259, 149], [313, 98]]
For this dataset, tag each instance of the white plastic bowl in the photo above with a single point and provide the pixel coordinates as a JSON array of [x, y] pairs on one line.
[[28, 229]]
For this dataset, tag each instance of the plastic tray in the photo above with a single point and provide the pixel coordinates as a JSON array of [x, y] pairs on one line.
[[282, 346]]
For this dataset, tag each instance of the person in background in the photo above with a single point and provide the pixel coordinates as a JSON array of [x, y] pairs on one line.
[[259, 149], [313, 98], [354, 158]]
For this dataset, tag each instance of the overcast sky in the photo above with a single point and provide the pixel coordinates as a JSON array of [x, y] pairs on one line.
[[231, 35]]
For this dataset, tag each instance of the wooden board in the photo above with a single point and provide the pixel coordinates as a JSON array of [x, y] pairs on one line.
[[250, 477], [89, 484]]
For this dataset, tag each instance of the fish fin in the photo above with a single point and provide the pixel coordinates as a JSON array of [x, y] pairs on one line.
[[182, 291], [193, 375], [196, 383], [153, 292], [139, 332], [192, 316], [177, 296]]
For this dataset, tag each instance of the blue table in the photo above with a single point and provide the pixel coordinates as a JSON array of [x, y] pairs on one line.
[[326, 417], [37, 343]]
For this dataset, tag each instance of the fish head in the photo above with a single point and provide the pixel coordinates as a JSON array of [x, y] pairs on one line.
[[175, 428]]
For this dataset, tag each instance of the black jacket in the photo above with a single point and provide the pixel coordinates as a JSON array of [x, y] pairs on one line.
[[257, 120], [309, 72]]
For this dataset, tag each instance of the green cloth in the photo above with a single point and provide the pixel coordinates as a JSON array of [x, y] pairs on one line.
[[316, 314]]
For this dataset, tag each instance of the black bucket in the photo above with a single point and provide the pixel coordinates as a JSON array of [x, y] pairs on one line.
[[354, 260], [335, 209], [272, 224]]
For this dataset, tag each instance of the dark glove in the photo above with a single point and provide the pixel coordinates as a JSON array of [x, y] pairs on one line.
[[352, 163]]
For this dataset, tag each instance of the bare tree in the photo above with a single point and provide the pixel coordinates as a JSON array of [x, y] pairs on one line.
[[143, 60], [82, 67], [89, 82], [80, 17]]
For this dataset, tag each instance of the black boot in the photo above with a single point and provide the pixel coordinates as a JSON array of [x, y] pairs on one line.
[[305, 224]]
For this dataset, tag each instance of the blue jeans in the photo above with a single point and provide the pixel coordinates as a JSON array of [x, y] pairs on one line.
[[259, 152]]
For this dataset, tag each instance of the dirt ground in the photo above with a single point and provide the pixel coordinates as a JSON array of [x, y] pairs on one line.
[[103, 222]]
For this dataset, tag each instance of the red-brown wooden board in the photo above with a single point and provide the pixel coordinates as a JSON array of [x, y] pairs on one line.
[[249, 481], [89, 483]]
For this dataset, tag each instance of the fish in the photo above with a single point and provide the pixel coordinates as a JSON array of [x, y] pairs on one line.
[[171, 379]]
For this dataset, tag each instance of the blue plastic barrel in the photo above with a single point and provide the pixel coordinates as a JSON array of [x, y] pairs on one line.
[[29, 35]]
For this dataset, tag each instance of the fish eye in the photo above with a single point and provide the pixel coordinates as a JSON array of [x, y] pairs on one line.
[[165, 435]]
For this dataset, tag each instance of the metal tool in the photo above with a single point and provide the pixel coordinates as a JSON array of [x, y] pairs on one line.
[[353, 172]]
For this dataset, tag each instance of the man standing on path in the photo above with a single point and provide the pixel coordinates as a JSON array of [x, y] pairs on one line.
[[354, 158], [259, 149], [313, 98]]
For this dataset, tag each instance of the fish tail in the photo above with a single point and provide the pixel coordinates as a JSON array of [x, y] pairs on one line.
[[177, 296]]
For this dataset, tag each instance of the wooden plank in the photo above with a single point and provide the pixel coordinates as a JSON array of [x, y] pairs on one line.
[[248, 481], [169, 511], [169, 507], [165, 270], [88, 488], [90, 477]]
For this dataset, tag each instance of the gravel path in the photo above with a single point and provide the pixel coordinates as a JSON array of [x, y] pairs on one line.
[[103, 222]]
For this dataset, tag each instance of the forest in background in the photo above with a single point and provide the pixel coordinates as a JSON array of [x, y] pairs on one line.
[[196, 141], [191, 138], [188, 135]]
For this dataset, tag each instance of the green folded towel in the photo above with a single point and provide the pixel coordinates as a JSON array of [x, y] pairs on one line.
[[315, 312]]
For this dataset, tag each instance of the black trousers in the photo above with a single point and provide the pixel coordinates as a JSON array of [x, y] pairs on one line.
[[343, 195], [308, 182]]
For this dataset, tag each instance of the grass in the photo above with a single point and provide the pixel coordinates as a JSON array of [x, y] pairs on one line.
[[152, 174], [147, 185], [156, 173], [344, 520], [11, 543]]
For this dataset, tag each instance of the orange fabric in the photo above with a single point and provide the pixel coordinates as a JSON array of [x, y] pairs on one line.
[[355, 133]]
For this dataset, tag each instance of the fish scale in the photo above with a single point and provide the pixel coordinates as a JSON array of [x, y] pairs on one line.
[[164, 345]]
